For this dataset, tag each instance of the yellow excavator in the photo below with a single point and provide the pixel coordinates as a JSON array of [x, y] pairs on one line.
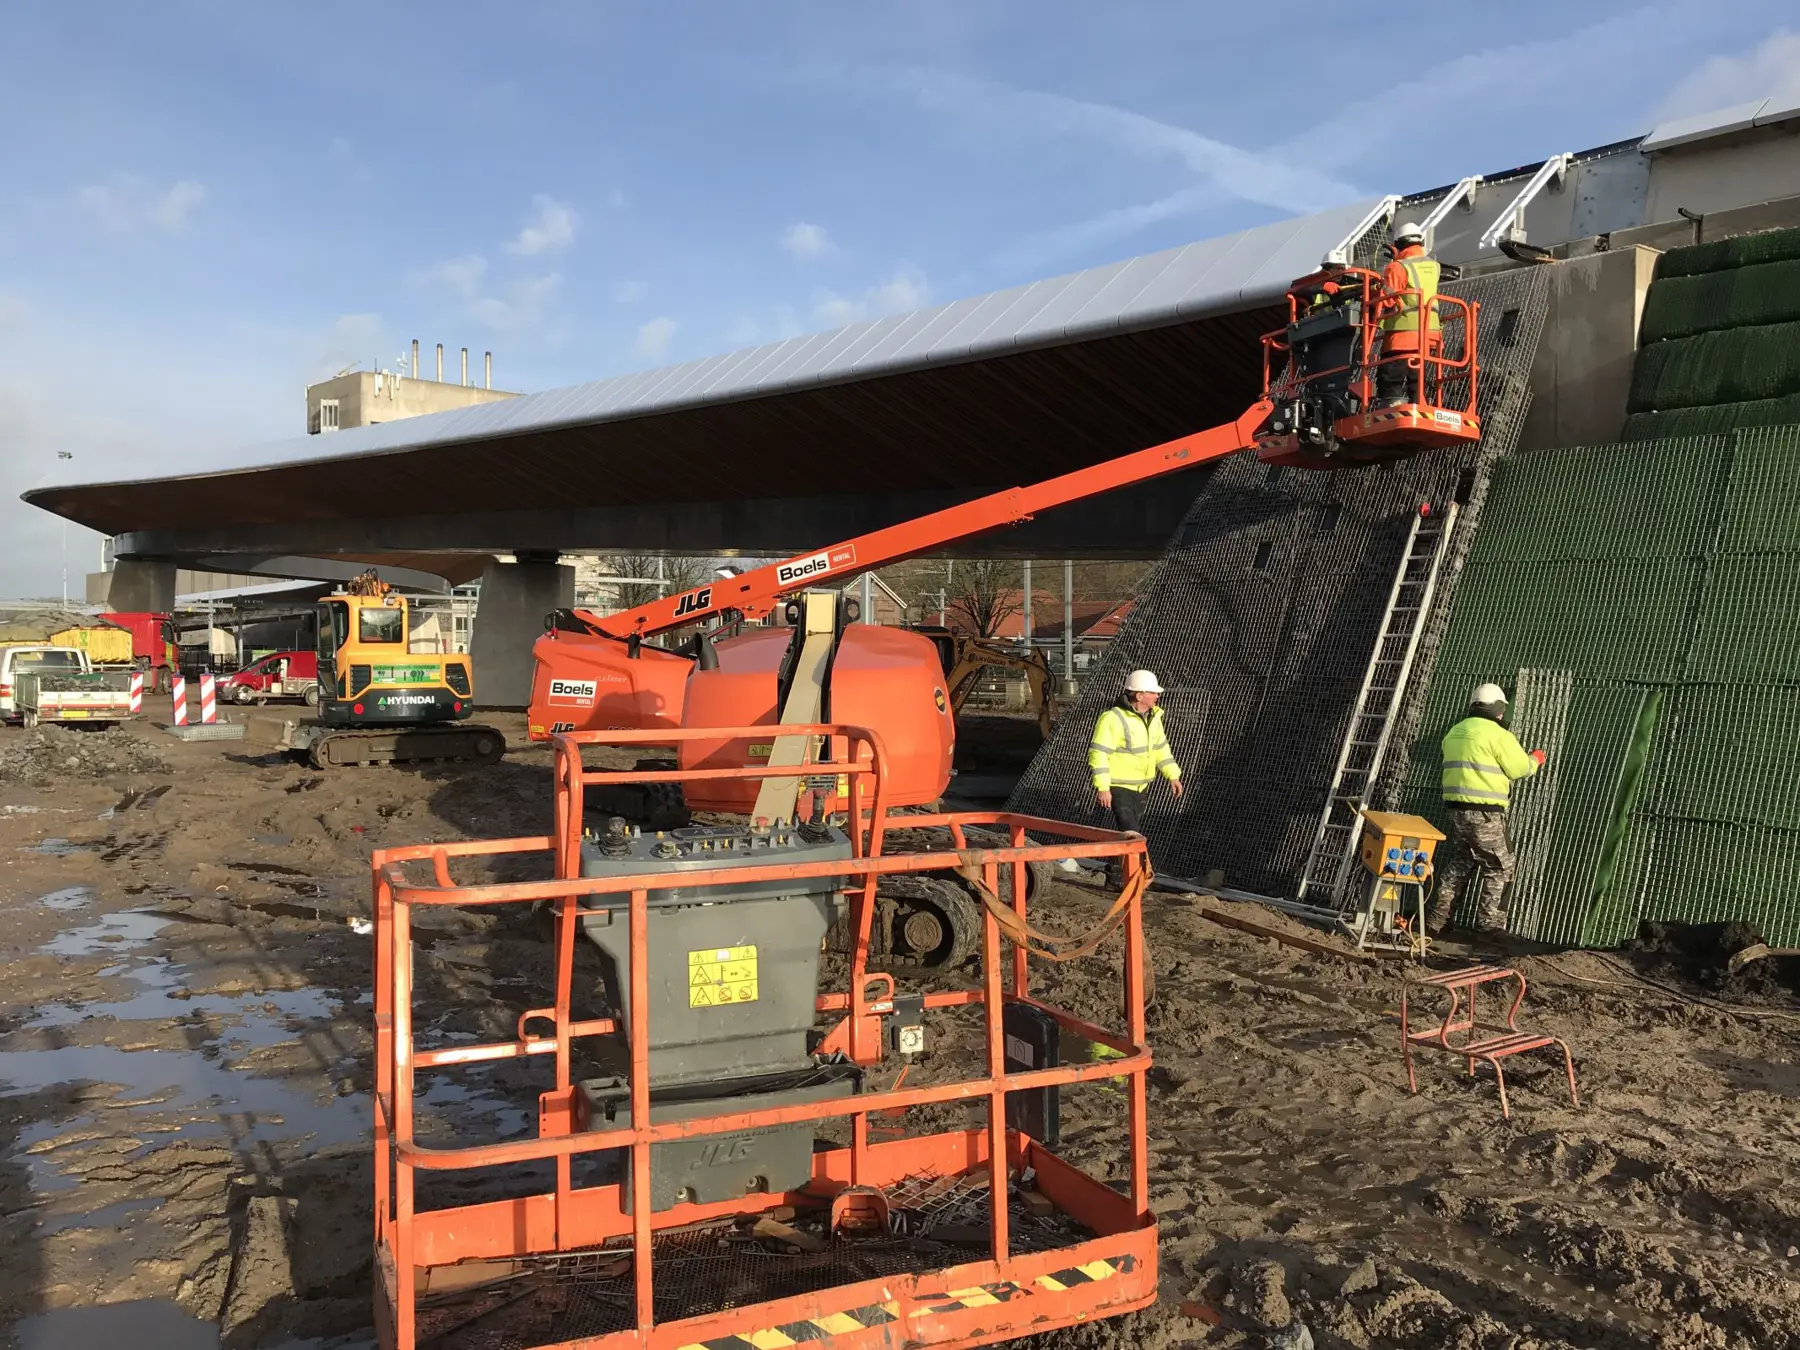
[[964, 658], [380, 702]]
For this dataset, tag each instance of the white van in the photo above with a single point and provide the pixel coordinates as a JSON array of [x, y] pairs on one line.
[[35, 657]]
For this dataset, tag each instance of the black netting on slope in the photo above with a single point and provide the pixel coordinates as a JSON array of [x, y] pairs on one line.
[[1260, 619]]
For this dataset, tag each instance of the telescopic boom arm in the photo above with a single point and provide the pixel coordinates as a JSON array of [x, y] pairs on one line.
[[754, 592]]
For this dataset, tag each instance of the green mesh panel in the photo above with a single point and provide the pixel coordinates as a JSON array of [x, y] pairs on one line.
[[1683, 306], [1747, 632], [1744, 250], [1566, 504], [1735, 365], [1624, 618], [1762, 498], [1727, 754], [1718, 419], [1701, 872]]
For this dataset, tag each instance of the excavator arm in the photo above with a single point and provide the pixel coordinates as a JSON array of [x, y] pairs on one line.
[[754, 592]]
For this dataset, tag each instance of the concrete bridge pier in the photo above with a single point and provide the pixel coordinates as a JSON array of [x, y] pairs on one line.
[[509, 617]]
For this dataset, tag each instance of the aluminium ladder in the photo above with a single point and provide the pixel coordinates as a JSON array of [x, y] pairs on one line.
[[1333, 852]]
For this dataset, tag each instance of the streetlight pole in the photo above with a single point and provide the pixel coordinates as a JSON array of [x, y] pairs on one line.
[[65, 454]]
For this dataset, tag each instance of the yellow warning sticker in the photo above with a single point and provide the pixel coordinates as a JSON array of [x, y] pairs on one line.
[[720, 977]]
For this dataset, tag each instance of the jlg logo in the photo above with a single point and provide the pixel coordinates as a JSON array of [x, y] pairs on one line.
[[724, 1152], [694, 602]]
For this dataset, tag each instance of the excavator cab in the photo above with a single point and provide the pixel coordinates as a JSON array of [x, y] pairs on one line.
[[1345, 393]]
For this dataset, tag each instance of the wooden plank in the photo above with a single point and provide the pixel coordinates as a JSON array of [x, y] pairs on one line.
[[1320, 946]]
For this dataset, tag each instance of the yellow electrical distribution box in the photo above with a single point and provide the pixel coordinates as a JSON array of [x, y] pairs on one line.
[[1399, 847]]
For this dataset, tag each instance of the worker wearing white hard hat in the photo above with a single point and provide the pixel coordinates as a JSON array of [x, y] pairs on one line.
[[1411, 331], [1482, 760], [1129, 752]]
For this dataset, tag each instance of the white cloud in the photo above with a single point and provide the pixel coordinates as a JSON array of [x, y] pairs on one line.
[[512, 306], [1770, 70], [550, 229], [630, 292], [905, 290], [521, 304], [806, 240], [653, 338], [128, 201], [14, 311], [462, 276], [353, 339], [1269, 178]]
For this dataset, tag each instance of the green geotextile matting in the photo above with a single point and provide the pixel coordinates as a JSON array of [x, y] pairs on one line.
[[1641, 602], [1719, 344]]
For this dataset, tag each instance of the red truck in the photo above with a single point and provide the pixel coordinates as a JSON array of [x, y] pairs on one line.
[[277, 675], [152, 644]]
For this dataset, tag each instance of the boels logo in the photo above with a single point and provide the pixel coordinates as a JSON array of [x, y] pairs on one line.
[[577, 692], [802, 569]]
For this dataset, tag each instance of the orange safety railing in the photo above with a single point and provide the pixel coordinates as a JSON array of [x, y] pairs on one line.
[[410, 1242], [1430, 373]]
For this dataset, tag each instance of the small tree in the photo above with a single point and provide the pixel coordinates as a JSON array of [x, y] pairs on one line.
[[678, 574], [984, 595]]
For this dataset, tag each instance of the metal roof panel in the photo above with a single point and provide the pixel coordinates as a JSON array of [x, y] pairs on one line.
[[1779, 110], [964, 337], [1079, 289], [1685, 130], [885, 353]]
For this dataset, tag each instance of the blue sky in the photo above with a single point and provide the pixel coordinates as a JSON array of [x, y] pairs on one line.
[[209, 205]]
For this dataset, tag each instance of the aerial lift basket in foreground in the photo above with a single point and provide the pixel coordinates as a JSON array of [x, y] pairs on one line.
[[727, 1064]]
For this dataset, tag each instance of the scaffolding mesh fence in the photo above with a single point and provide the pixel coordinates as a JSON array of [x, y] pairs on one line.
[[1264, 610]]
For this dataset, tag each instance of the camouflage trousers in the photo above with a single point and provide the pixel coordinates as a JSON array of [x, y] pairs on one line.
[[1480, 838]]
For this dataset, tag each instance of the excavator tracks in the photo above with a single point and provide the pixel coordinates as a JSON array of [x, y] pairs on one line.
[[337, 748]]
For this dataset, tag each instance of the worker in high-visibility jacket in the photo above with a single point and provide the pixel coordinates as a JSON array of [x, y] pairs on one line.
[[1482, 760], [1129, 751], [1410, 326]]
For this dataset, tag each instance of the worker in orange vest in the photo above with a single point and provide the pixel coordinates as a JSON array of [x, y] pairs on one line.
[[1410, 325]]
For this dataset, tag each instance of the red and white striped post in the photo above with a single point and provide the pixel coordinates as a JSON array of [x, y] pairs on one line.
[[209, 703], [181, 719], [137, 691]]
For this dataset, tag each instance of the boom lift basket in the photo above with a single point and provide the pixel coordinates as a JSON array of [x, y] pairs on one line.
[[591, 1268], [1345, 392]]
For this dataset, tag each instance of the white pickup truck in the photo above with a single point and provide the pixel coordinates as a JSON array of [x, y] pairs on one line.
[[57, 684]]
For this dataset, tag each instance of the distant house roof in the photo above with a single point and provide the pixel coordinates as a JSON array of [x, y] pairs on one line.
[[1106, 627]]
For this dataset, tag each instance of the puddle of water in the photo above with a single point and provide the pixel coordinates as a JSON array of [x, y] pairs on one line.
[[128, 928], [146, 1324], [215, 1097], [164, 980], [58, 848], [270, 869], [69, 897], [448, 1098], [109, 1216]]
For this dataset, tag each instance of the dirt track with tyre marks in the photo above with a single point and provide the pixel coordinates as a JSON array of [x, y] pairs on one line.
[[185, 1061]]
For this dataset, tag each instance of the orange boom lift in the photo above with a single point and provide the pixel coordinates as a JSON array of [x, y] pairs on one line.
[[1319, 410], [716, 1166]]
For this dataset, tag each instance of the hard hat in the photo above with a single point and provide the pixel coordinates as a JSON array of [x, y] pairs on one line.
[[1410, 232], [1486, 695], [1142, 682]]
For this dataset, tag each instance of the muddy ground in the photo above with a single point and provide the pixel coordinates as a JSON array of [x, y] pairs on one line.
[[185, 1063]]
